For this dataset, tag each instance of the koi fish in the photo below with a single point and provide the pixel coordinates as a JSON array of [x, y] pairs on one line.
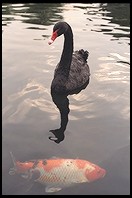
[[57, 173]]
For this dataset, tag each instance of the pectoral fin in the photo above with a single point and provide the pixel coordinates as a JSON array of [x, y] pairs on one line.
[[51, 189]]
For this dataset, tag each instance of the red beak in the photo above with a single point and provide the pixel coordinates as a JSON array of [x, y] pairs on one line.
[[53, 37]]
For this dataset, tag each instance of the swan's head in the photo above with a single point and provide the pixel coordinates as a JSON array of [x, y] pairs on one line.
[[58, 29]]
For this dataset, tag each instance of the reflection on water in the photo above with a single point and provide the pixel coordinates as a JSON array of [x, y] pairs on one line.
[[26, 99], [62, 103], [98, 130], [115, 18], [42, 13]]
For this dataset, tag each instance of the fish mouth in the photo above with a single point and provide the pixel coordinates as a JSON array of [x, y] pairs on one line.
[[103, 173]]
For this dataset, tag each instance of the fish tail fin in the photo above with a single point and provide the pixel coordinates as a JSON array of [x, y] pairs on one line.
[[13, 170], [13, 158]]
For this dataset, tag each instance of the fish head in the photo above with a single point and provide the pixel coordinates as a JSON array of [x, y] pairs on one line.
[[94, 172]]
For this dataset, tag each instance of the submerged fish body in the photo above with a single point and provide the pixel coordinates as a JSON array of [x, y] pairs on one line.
[[58, 173]]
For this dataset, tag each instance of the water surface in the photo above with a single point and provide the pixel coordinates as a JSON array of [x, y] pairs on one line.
[[98, 127]]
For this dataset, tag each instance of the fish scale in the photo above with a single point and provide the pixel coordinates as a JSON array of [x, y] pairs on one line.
[[66, 174]]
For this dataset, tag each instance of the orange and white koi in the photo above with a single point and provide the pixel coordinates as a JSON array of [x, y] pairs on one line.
[[57, 173]]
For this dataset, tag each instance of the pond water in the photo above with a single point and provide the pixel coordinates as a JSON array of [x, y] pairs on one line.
[[99, 127]]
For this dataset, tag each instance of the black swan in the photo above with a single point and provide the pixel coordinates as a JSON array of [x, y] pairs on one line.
[[71, 75]]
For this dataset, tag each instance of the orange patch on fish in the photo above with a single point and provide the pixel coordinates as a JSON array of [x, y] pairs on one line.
[[22, 167], [50, 164], [81, 163]]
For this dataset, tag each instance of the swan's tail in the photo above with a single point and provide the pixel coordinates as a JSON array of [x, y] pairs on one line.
[[84, 54]]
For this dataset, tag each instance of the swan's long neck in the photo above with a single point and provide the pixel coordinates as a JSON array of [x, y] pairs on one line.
[[66, 56]]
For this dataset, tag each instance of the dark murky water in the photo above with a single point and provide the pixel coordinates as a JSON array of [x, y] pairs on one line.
[[98, 127]]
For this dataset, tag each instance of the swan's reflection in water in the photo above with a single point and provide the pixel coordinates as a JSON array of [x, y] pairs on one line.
[[62, 103]]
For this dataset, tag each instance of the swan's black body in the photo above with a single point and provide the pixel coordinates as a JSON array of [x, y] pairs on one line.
[[71, 74]]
